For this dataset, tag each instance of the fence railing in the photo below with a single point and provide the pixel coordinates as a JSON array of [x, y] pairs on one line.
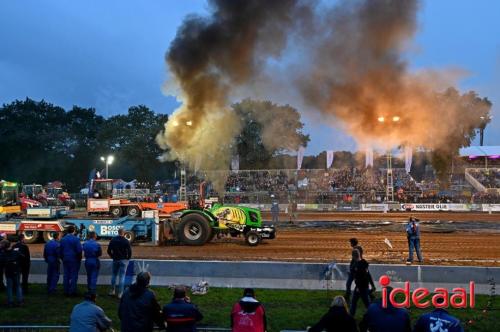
[[36, 328]]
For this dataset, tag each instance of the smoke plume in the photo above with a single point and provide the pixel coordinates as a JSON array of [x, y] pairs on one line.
[[209, 57], [350, 68]]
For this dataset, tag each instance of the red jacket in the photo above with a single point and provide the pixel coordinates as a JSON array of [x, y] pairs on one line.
[[248, 315]]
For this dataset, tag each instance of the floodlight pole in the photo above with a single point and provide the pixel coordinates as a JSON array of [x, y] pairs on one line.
[[389, 191]]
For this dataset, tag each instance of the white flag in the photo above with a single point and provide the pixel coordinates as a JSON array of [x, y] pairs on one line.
[[235, 163], [369, 157], [300, 156], [329, 158], [408, 158]]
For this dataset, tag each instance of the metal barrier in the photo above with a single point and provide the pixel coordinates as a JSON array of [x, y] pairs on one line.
[[35, 328], [32, 328]]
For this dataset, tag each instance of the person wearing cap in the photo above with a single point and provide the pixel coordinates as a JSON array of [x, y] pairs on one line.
[[70, 251], [438, 320], [380, 319], [87, 316], [139, 309], [336, 319], [248, 314], [181, 315], [25, 260], [413, 235], [51, 257], [92, 250]]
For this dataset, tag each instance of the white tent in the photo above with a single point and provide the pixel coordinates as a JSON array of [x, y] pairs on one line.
[[492, 151]]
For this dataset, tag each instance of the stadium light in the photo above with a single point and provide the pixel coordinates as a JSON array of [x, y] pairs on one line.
[[175, 123], [395, 118], [108, 161], [189, 123], [380, 119]]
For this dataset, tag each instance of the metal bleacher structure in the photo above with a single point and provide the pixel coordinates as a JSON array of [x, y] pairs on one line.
[[484, 179], [307, 186]]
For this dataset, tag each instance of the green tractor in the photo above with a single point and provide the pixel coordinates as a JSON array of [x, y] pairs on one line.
[[199, 225]]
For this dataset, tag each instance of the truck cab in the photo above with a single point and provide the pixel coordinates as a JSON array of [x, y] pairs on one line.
[[9, 198]]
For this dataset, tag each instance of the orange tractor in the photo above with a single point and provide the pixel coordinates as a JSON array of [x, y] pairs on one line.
[[101, 201]]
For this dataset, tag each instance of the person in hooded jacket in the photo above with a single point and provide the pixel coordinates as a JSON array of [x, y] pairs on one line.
[[139, 309], [380, 319], [438, 320], [336, 319], [248, 314], [181, 315]]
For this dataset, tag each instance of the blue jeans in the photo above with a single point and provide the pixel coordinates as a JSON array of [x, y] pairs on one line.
[[14, 284], [92, 266], [364, 294], [53, 272], [119, 268], [414, 243], [70, 279]]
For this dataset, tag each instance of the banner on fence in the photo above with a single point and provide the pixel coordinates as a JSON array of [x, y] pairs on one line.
[[424, 207], [491, 207], [436, 207], [373, 207]]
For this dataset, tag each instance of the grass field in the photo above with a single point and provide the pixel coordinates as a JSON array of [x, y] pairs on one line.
[[286, 309]]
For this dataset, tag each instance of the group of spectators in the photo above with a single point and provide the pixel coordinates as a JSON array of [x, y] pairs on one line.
[[490, 178], [378, 318], [139, 310], [70, 251]]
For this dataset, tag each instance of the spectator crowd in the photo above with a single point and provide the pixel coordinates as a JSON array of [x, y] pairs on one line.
[[139, 309]]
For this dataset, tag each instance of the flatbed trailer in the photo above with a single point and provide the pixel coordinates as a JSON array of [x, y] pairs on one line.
[[42, 223]]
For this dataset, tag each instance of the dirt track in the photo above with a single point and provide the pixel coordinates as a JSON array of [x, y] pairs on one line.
[[447, 238]]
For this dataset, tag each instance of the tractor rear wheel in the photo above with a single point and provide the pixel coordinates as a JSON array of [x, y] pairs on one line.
[[116, 211], [194, 230], [31, 236], [133, 211], [252, 238]]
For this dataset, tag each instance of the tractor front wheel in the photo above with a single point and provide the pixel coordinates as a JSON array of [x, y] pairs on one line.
[[194, 230], [252, 238]]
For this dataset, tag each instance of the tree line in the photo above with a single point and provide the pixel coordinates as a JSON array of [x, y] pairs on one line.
[[41, 142]]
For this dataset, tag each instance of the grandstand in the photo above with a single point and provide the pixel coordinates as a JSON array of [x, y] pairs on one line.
[[470, 182], [319, 186]]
